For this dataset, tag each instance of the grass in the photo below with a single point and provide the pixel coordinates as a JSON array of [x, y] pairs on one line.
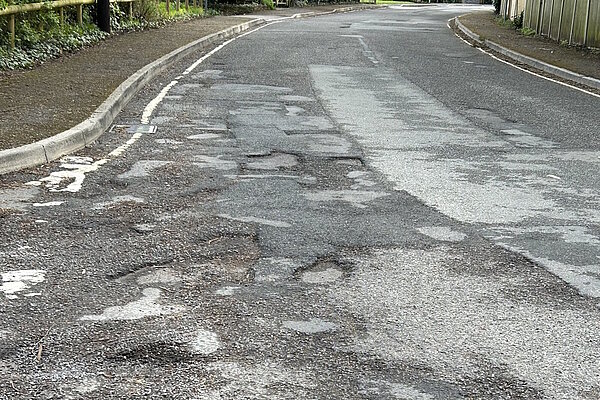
[[527, 31]]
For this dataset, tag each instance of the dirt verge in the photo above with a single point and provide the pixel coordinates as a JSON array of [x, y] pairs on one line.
[[580, 60]]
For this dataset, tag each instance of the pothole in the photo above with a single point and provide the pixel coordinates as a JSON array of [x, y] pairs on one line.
[[327, 276], [136, 269], [164, 352], [321, 272], [356, 198], [273, 162]]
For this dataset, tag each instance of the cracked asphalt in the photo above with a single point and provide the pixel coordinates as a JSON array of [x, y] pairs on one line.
[[354, 206]]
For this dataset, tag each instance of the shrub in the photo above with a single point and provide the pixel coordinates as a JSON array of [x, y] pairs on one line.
[[268, 3], [518, 21]]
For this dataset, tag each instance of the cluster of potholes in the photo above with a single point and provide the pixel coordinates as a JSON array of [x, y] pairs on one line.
[[161, 277], [224, 289]]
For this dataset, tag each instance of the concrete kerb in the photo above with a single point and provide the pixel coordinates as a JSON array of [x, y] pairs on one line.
[[86, 132], [532, 62], [475, 37]]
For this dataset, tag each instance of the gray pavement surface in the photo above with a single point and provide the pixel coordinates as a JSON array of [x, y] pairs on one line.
[[356, 206]]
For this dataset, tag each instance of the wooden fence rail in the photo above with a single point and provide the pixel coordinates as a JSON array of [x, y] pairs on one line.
[[12, 10]]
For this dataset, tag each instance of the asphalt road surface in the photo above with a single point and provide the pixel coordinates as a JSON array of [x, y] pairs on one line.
[[354, 206]]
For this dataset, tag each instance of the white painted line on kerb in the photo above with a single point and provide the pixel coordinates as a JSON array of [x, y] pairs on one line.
[[523, 69], [540, 76]]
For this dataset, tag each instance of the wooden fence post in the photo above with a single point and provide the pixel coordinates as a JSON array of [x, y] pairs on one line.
[[540, 26], [530, 4], [80, 14], [177, 4], [573, 22], [587, 23], [168, 8], [61, 11], [562, 9], [11, 29], [550, 19], [131, 10], [187, 4]]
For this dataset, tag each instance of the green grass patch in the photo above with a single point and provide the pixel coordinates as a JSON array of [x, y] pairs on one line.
[[527, 31]]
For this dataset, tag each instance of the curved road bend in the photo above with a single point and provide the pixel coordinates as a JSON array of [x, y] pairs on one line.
[[355, 206]]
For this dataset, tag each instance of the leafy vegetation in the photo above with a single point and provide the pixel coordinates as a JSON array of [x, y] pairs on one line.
[[515, 23], [518, 20], [268, 3], [40, 36]]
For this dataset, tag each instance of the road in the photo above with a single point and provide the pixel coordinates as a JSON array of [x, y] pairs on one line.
[[353, 206]]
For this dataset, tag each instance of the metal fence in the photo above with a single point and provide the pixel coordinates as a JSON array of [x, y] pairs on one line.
[[572, 21]]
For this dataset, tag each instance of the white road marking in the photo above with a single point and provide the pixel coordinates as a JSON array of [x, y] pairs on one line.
[[523, 69], [150, 107], [147, 306], [14, 282], [48, 204], [71, 172], [227, 290], [540, 76], [204, 136]]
